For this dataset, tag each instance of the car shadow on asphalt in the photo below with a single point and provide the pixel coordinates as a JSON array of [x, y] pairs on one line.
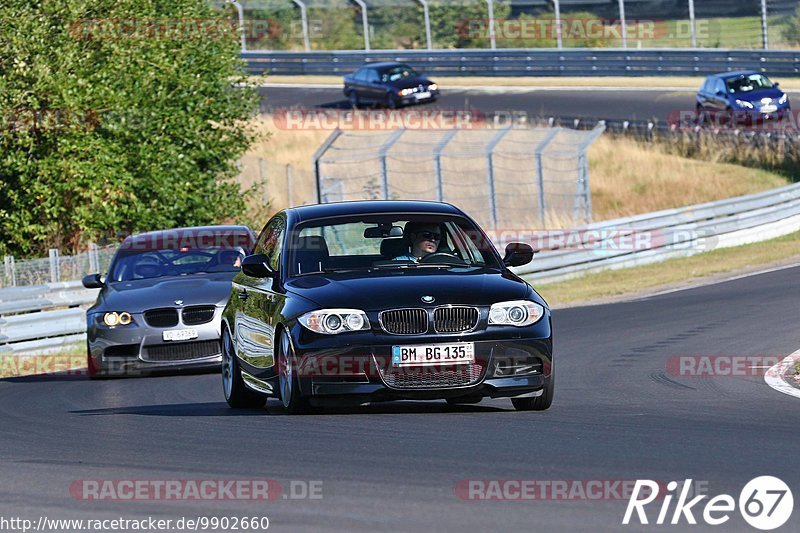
[[398, 408], [173, 409]]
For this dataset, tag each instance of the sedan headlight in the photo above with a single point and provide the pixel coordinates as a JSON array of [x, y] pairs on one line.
[[515, 313], [117, 319], [433, 87], [406, 92], [335, 321], [783, 99], [744, 103]]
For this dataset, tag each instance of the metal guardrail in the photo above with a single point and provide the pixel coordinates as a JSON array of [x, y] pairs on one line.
[[37, 318], [533, 62], [60, 319], [671, 233]]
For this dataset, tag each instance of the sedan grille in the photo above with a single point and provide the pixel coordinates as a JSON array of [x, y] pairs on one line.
[[454, 319], [432, 378], [182, 351], [199, 314], [405, 321], [161, 318]]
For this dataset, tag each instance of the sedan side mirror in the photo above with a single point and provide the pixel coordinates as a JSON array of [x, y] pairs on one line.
[[257, 266], [720, 93], [93, 281], [518, 254], [776, 84]]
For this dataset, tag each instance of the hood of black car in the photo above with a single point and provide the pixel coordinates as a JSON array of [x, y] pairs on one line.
[[140, 295], [406, 83], [387, 289]]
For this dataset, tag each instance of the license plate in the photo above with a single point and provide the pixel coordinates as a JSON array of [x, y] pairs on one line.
[[433, 354], [422, 96], [769, 109], [179, 334]]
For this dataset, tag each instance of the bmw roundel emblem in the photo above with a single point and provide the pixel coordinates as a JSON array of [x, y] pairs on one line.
[[428, 299]]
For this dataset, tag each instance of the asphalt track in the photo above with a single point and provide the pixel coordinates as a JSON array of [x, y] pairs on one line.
[[605, 104], [618, 414]]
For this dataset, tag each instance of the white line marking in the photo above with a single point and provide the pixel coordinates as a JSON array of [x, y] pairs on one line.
[[774, 376]]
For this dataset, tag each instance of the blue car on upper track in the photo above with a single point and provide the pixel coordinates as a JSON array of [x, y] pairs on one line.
[[748, 94]]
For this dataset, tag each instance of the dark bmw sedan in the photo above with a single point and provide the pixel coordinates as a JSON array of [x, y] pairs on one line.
[[160, 305], [389, 84], [746, 94], [359, 302]]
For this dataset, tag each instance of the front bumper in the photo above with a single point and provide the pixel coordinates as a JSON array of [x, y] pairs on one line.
[[332, 371], [413, 99], [139, 349]]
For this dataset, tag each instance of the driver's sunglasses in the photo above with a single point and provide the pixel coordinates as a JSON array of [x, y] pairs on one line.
[[430, 235]]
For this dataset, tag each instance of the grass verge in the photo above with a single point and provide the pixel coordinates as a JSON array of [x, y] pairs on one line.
[[675, 273], [66, 359]]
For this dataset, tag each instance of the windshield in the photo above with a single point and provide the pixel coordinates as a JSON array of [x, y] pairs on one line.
[[132, 265], [383, 242], [397, 73], [746, 84]]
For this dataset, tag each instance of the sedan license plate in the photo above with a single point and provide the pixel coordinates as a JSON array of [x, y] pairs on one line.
[[433, 354], [423, 95], [179, 334]]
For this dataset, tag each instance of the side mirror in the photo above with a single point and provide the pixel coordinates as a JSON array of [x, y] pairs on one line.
[[518, 254], [257, 266], [93, 281], [776, 84], [720, 93]]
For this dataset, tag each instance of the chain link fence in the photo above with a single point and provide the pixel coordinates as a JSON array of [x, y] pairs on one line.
[[305, 25], [505, 178], [56, 267]]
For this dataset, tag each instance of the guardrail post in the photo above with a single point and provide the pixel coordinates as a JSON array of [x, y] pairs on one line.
[[623, 24], [559, 38], [240, 13], [490, 172], [304, 22], [10, 267], [692, 24], [55, 268], [764, 26], [437, 162]]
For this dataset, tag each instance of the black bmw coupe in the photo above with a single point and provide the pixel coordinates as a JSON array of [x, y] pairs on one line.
[[389, 84], [383, 300]]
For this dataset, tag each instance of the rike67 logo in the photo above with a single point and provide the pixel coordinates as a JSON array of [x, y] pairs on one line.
[[765, 503]]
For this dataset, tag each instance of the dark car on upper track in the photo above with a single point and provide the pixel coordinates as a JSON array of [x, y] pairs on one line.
[[358, 302], [390, 84], [160, 304], [747, 94]]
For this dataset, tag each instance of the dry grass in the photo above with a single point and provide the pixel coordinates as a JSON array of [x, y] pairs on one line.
[[673, 273], [684, 82], [626, 177], [629, 177]]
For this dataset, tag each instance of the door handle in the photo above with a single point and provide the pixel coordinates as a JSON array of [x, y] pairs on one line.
[[243, 294]]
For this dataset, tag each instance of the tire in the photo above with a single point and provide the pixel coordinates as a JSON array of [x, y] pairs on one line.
[[353, 97], [538, 403], [236, 392], [391, 101], [288, 383], [700, 115]]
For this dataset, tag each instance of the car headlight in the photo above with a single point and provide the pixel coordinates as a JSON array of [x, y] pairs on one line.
[[335, 321], [433, 87], [783, 99], [744, 103], [117, 319], [515, 313], [406, 92]]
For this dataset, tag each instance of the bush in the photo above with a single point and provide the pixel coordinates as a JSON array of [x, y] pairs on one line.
[[107, 129]]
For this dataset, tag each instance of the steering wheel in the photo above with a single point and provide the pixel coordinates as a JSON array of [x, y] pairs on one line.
[[438, 257]]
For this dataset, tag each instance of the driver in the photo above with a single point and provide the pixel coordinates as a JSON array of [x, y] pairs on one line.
[[424, 239]]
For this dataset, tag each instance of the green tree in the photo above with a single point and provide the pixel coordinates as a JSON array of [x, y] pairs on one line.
[[117, 116], [792, 30]]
